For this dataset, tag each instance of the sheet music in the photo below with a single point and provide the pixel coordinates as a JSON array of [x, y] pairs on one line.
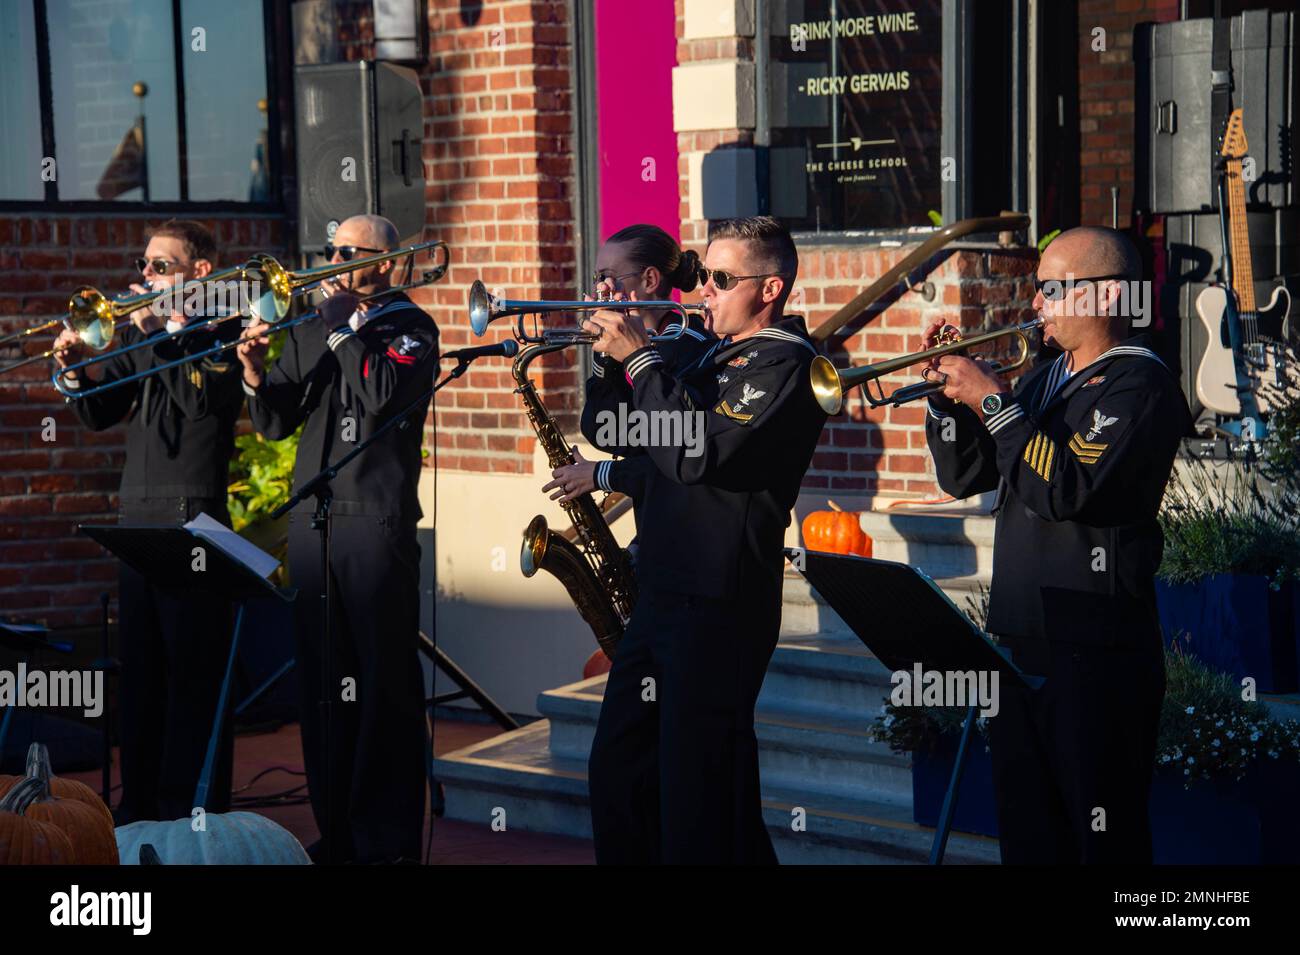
[[234, 546]]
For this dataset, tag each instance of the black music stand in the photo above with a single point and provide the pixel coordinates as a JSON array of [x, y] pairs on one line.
[[903, 618], [165, 556]]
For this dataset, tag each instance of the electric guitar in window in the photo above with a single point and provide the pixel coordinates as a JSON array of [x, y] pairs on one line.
[[1246, 343]]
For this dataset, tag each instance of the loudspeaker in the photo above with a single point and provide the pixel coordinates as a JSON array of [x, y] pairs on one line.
[[1175, 144], [359, 128]]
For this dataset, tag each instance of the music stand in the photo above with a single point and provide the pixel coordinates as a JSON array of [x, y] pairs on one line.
[[165, 557], [904, 619]]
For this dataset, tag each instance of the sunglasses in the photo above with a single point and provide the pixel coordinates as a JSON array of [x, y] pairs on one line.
[[724, 280], [347, 252], [159, 266], [1054, 289]]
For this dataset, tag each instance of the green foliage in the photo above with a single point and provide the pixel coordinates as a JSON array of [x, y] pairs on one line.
[[1281, 451], [1221, 519], [1206, 729], [1046, 240], [261, 476]]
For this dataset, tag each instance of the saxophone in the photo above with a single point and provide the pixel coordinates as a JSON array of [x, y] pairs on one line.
[[595, 571]]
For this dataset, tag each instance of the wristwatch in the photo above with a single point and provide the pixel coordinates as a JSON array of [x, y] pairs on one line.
[[991, 404]]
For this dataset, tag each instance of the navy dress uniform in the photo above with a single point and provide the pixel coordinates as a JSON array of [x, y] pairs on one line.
[[609, 398], [180, 436], [1080, 463], [340, 387], [673, 771]]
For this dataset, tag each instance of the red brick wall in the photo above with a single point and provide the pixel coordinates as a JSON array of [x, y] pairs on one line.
[[1106, 101], [47, 571], [499, 162]]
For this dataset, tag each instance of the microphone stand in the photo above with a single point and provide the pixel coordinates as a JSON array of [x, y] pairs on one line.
[[319, 488]]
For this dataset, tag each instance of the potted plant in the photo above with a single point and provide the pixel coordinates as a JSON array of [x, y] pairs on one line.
[[1228, 576], [1225, 781], [261, 478]]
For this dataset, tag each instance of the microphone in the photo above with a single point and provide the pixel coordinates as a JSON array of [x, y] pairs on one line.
[[506, 349]]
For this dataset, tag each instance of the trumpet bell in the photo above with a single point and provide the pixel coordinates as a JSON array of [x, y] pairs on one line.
[[482, 307], [827, 387]]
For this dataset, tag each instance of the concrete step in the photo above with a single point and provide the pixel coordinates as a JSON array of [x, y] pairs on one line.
[[516, 780], [800, 749], [941, 543]]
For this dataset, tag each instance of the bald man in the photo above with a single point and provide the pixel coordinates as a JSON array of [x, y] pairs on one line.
[[341, 377], [1079, 453]]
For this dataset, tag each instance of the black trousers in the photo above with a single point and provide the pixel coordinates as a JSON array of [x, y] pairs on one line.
[[1073, 760], [173, 650], [673, 772], [377, 744]]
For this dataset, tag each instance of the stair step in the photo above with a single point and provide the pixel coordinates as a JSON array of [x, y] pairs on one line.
[[810, 751], [942, 543], [518, 775]]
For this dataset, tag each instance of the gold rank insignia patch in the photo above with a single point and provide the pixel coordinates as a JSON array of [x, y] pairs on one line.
[[196, 377], [724, 408], [1039, 455], [1088, 452]]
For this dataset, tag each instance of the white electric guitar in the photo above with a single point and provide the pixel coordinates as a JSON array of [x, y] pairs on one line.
[[1246, 343]]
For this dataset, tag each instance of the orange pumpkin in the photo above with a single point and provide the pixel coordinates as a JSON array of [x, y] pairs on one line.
[[25, 840], [836, 531], [89, 828], [60, 788]]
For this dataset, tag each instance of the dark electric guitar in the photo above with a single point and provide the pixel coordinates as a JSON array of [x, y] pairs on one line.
[[1246, 343]]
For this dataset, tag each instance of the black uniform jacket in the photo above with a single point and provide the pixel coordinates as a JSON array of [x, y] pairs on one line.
[[609, 387], [713, 523], [1080, 463], [344, 385], [182, 421]]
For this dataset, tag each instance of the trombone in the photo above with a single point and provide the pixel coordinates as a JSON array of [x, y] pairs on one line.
[[829, 384], [283, 285], [484, 308], [96, 318]]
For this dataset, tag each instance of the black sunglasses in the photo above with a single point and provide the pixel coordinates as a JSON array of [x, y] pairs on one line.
[[159, 266], [724, 280], [346, 252], [1054, 289]]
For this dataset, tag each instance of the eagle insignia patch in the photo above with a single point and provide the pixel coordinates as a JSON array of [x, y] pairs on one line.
[[1099, 421]]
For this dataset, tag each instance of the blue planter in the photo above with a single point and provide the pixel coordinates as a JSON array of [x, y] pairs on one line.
[[1251, 821], [1236, 624], [931, 770]]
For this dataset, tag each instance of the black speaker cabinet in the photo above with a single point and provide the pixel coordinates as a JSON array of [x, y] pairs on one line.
[[359, 129], [1175, 144]]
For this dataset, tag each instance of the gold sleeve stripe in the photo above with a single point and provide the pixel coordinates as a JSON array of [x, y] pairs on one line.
[[1086, 452], [1039, 454]]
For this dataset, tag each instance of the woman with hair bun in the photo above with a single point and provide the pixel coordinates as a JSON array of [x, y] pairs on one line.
[[639, 263]]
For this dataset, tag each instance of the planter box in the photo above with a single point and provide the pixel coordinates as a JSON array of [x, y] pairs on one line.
[[1248, 822], [1236, 624], [1251, 821], [931, 770]]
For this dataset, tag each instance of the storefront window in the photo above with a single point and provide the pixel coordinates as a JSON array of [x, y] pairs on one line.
[[855, 111]]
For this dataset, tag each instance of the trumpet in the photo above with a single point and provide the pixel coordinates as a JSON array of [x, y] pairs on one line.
[[485, 308], [829, 384], [283, 285], [96, 318]]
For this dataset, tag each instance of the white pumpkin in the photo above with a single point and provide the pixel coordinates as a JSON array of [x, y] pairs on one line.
[[233, 838]]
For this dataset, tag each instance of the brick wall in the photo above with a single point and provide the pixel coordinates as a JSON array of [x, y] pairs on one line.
[[47, 571], [1106, 102], [499, 162]]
